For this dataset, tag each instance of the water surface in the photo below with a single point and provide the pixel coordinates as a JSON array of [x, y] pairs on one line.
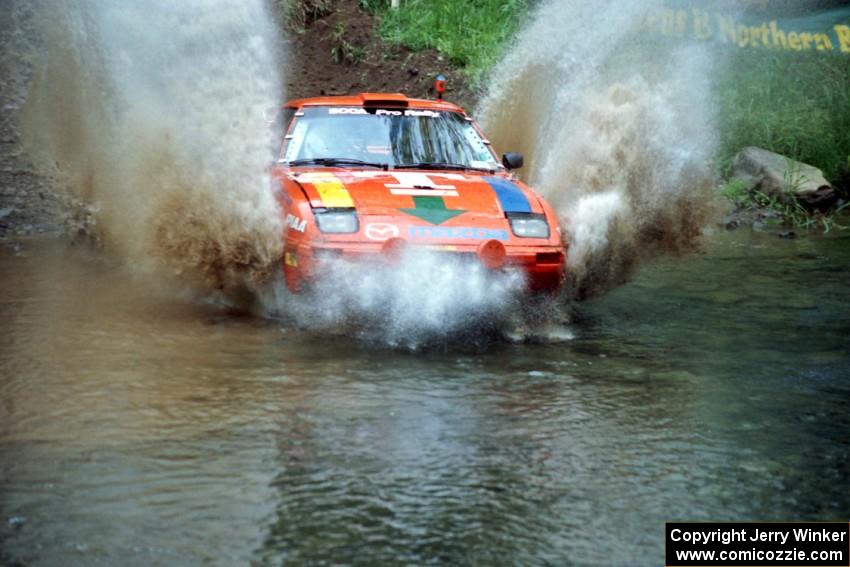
[[140, 427]]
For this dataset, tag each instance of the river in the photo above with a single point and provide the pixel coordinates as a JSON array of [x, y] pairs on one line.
[[142, 427]]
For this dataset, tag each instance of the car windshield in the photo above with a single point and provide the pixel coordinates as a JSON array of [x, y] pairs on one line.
[[387, 137]]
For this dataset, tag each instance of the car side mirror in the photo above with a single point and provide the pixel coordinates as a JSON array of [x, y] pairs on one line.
[[512, 160]]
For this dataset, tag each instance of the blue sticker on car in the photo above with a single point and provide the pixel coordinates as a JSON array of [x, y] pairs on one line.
[[511, 197]]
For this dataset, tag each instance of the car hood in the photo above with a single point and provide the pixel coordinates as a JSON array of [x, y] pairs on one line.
[[433, 197]]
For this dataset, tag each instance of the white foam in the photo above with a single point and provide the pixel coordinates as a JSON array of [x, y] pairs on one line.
[[424, 296]]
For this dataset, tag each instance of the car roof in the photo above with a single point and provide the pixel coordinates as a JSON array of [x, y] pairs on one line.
[[374, 99]]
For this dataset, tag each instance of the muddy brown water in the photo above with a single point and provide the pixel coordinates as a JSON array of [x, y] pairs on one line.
[[141, 427]]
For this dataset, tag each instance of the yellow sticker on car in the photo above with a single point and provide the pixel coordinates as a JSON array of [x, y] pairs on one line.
[[331, 190]]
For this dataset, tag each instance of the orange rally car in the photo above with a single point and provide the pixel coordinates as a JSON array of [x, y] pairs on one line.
[[365, 176]]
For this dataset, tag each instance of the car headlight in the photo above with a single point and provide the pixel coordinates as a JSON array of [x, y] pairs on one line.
[[337, 221], [529, 225]]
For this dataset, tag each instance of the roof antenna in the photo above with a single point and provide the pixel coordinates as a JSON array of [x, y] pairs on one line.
[[440, 86]]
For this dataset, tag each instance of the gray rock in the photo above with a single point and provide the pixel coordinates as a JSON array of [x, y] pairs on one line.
[[779, 176]]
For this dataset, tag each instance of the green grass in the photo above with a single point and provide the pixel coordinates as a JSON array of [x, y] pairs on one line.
[[795, 104], [471, 34]]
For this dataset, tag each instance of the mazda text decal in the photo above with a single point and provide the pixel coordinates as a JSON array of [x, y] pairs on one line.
[[464, 232]]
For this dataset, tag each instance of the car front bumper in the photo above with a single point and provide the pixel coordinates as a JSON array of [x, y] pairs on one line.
[[542, 266]]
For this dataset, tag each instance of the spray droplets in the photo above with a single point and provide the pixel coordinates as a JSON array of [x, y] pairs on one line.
[[423, 297], [154, 112], [618, 131]]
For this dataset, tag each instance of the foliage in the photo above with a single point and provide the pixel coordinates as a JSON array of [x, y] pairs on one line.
[[786, 206], [471, 34], [795, 104], [790, 209], [735, 191], [343, 51]]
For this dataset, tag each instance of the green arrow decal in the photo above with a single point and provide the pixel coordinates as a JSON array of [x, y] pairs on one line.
[[432, 210]]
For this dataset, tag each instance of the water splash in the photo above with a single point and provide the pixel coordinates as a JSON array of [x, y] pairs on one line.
[[617, 130], [152, 114], [424, 298]]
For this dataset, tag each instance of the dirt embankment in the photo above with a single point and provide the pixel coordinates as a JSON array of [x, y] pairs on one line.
[[337, 50]]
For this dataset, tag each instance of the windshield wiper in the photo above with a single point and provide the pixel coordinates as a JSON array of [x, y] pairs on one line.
[[336, 161], [439, 165]]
